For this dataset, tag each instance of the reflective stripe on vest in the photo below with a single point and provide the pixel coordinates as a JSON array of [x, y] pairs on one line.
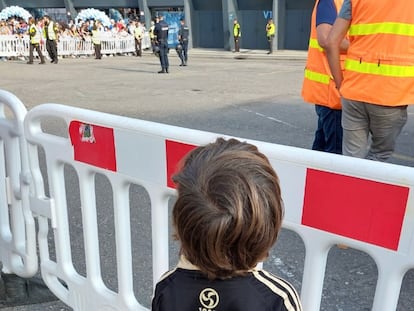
[[317, 77], [384, 28], [313, 44], [379, 69]]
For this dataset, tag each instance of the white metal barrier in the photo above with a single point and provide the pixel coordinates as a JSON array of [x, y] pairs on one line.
[[15, 46], [17, 228], [329, 199]]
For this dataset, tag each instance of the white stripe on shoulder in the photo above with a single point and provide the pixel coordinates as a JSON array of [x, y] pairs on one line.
[[287, 290], [289, 286], [166, 274]]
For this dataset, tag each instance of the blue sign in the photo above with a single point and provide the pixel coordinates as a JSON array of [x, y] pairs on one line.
[[267, 15], [173, 21]]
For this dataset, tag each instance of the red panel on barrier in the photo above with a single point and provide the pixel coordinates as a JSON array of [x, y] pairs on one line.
[[175, 152], [361, 209], [93, 144]]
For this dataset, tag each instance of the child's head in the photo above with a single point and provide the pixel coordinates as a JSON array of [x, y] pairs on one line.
[[229, 208]]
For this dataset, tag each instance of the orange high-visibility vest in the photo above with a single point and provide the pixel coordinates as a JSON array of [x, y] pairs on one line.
[[379, 67], [318, 84]]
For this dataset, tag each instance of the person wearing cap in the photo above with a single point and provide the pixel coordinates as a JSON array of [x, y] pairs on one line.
[[183, 34], [161, 35]]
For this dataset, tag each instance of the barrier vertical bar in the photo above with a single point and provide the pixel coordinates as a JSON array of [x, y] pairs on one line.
[[18, 242], [123, 244], [159, 219], [313, 275]]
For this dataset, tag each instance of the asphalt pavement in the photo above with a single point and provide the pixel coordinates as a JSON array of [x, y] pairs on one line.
[[248, 94]]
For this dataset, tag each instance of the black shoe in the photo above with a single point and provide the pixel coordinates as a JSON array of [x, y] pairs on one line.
[[185, 64], [161, 71], [182, 64], [166, 70]]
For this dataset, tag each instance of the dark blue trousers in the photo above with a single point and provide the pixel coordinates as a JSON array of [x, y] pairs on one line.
[[328, 136]]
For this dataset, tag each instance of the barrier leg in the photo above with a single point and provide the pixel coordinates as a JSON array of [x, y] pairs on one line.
[[15, 291], [313, 276], [388, 288], [159, 216]]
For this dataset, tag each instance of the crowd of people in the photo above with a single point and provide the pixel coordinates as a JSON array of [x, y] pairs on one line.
[[81, 29], [48, 32]]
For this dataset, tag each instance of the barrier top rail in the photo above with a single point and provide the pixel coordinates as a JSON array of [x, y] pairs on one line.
[[329, 199], [14, 46]]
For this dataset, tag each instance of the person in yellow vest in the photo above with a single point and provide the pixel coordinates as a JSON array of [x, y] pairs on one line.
[[378, 81], [236, 35], [35, 36], [51, 33], [270, 34], [96, 39], [318, 86], [152, 35]]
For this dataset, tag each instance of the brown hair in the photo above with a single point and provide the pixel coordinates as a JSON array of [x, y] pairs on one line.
[[229, 208]]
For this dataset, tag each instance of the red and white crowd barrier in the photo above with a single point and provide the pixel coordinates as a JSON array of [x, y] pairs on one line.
[[16, 46], [329, 199]]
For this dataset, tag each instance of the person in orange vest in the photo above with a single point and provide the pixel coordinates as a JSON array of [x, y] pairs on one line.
[[318, 86], [378, 81]]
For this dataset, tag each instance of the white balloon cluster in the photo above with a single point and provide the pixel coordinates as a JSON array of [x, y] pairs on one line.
[[93, 14], [12, 11]]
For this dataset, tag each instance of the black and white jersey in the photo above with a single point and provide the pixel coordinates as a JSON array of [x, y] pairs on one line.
[[189, 290]]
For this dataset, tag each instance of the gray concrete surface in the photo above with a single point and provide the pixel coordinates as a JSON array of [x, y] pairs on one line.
[[249, 94]]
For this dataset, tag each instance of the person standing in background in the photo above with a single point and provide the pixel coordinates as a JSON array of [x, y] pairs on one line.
[[161, 34], [236, 35], [378, 81], [318, 86], [152, 35], [183, 34], [96, 39], [35, 36], [51, 33], [139, 35], [270, 34]]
